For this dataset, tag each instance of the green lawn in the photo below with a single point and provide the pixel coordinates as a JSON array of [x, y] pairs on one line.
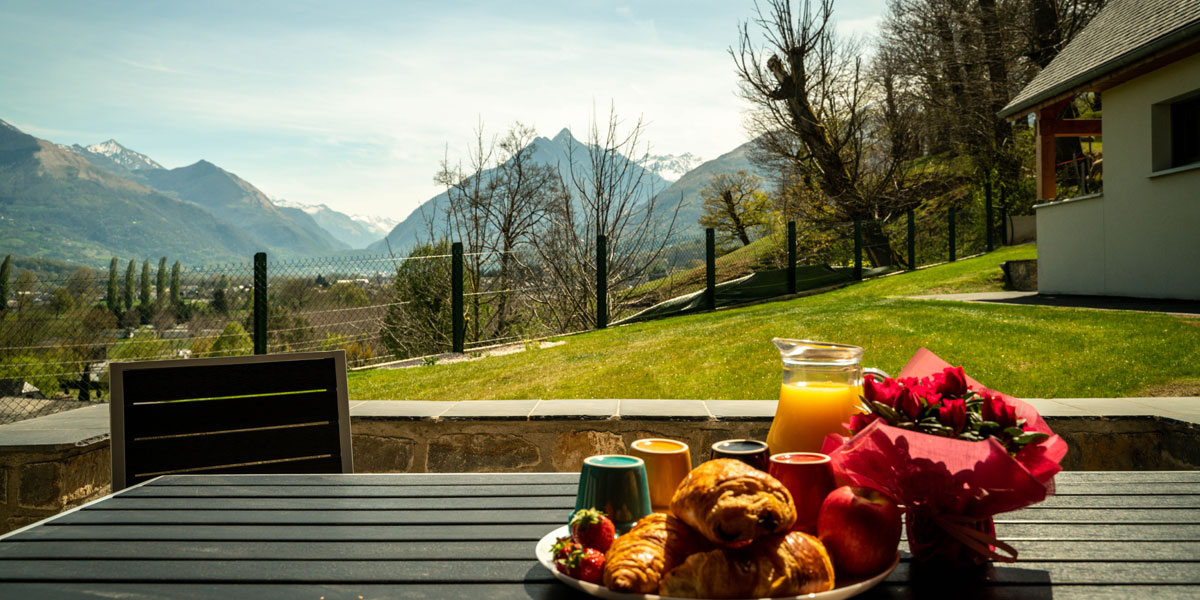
[[1022, 350]]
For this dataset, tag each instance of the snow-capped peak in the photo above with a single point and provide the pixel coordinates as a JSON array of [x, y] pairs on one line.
[[670, 166], [123, 156]]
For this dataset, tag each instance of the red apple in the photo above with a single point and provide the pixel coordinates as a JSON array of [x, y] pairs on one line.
[[860, 528]]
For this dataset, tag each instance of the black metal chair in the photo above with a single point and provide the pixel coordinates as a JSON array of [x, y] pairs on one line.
[[273, 413]]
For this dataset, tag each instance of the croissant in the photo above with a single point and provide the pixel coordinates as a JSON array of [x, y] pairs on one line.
[[657, 543], [780, 565], [732, 503]]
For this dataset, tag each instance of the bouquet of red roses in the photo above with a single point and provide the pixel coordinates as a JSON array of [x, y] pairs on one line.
[[953, 452]]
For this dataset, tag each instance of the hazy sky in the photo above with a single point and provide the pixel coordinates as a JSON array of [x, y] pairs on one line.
[[353, 104]]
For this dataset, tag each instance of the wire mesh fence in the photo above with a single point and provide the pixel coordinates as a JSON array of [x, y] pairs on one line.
[[58, 333]]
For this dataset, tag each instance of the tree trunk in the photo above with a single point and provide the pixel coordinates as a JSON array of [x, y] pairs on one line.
[[997, 73], [835, 180], [876, 244]]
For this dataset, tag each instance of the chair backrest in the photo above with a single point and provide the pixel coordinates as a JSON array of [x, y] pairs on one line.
[[272, 413]]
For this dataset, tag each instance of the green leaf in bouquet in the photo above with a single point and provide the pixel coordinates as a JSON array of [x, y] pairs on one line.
[[1030, 437], [886, 412], [1014, 432]]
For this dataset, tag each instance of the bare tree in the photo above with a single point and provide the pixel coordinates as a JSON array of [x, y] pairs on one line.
[[734, 204], [604, 194], [470, 194], [523, 193], [812, 120]]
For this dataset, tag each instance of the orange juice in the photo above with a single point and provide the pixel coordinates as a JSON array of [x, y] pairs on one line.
[[808, 411]]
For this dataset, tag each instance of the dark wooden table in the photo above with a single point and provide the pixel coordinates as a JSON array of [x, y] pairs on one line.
[[472, 536]]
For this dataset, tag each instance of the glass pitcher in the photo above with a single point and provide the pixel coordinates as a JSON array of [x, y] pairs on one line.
[[822, 389]]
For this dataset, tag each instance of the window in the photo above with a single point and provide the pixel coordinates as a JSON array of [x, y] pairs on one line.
[[1175, 132], [1185, 132]]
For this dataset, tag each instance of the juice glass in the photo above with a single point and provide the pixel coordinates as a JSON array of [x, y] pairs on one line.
[[822, 388]]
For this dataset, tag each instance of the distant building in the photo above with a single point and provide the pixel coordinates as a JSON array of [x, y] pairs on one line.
[[1141, 235]]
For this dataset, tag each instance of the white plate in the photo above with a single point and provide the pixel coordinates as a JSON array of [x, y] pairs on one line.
[[846, 589]]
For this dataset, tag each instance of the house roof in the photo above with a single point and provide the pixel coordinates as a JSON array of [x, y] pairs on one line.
[[1124, 32]]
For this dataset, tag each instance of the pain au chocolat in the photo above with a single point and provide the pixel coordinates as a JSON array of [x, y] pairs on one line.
[[732, 503]]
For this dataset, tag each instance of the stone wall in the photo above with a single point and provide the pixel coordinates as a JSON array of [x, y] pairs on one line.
[[54, 463], [36, 484]]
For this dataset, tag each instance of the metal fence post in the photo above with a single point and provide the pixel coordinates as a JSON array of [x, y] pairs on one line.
[[987, 195], [912, 241], [710, 269], [601, 282], [858, 247], [456, 297], [950, 233], [260, 303], [791, 259]]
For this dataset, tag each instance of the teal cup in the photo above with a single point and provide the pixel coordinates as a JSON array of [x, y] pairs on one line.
[[615, 484]]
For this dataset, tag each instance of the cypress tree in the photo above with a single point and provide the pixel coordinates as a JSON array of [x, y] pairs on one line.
[[176, 294], [5, 273], [144, 292], [110, 297], [130, 274], [160, 281]]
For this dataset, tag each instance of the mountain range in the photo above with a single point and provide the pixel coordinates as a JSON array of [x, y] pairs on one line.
[[685, 189], [358, 231], [84, 204]]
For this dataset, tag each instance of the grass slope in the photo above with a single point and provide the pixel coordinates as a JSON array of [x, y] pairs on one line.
[[1027, 351]]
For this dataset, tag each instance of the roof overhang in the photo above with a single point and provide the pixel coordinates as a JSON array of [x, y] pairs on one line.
[[1170, 48]]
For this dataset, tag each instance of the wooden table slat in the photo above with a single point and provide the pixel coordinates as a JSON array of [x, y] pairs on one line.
[[550, 517], [404, 479], [1007, 531], [557, 515], [1170, 551], [511, 571], [352, 491]]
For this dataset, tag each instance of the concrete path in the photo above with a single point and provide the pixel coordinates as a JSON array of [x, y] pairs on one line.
[[1175, 307]]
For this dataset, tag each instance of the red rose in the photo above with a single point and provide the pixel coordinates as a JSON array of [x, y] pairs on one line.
[[859, 422], [996, 409], [884, 392], [909, 401], [951, 382], [953, 414]]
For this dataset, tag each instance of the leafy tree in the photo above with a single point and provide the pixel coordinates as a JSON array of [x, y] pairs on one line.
[[294, 293], [111, 297], [418, 319], [176, 293], [144, 308], [220, 300], [160, 282], [5, 273], [347, 294], [80, 285], [233, 341], [127, 296], [61, 301], [25, 284], [144, 344], [734, 204]]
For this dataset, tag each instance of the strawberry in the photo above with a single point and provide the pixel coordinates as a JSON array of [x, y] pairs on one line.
[[587, 564], [561, 550], [592, 529]]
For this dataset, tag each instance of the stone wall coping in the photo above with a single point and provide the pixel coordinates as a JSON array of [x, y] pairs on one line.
[[89, 425]]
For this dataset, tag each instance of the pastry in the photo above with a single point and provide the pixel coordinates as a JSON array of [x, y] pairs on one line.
[[779, 565], [732, 503], [657, 543]]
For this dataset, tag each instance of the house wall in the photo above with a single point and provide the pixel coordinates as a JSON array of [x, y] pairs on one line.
[[1142, 237]]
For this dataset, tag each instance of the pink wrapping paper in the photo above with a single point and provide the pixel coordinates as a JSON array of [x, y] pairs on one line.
[[949, 481]]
